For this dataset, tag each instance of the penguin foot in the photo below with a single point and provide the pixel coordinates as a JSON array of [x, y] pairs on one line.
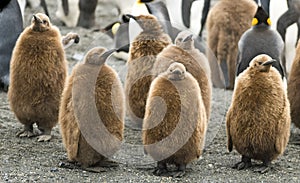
[[68, 165], [244, 164], [160, 172], [160, 169], [178, 174], [25, 133], [95, 169], [108, 163], [263, 169], [44, 138]]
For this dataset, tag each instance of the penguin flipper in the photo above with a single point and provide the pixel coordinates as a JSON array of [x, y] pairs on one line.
[[186, 12], [44, 5], [204, 15], [65, 5], [285, 20]]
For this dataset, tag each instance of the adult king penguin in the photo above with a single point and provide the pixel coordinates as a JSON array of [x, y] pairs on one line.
[[260, 39]]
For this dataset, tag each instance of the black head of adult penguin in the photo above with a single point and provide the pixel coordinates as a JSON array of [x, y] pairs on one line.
[[261, 18], [40, 23], [3, 3]]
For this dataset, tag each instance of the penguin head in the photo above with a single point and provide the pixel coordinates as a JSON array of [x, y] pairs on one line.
[[146, 22], [40, 22], [176, 71], [262, 63], [261, 17], [185, 40], [97, 56]]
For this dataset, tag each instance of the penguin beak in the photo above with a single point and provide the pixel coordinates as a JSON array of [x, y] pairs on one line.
[[177, 72], [37, 19], [106, 54], [190, 37], [130, 16], [267, 63]]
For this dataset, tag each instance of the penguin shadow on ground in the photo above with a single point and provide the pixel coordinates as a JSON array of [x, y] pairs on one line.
[[294, 136], [104, 166]]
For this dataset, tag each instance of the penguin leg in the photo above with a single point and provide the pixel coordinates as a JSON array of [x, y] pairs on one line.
[[264, 168], [180, 172], [160, 169], [244, 164], [26, 132], [224, 68], [45, 134]]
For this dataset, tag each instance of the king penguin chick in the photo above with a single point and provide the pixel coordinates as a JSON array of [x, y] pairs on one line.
[[143, 51], [38, 73], [260, 39], [92, 127], [174, 127], [258, 119], [226, 22], [194, 61], [294, 88]]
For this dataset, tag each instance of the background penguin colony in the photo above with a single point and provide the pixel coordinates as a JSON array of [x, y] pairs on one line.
[[202, 71]]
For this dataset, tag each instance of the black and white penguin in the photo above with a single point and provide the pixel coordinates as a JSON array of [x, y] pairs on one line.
[[260, 39], [11, 24]]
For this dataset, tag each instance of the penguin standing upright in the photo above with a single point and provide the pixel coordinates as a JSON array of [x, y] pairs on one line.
[[294, 87], [260, 39], [92, 132], [11, 27], [143, 51], [287, 28], [38, 73], [258, 119], [226, 22], [175, 121]]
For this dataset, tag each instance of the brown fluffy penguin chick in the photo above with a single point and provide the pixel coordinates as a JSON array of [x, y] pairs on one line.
[[226, 22], [92, 111], [258, 120], [172, 54], [174, 127], [38, 73], [142, 55], [294, 88], [185, 41]]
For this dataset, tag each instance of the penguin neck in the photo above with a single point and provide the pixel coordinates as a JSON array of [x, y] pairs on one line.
[[262, 26]]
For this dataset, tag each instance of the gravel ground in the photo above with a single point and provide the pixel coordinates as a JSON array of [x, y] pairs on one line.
[[26, 160]]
